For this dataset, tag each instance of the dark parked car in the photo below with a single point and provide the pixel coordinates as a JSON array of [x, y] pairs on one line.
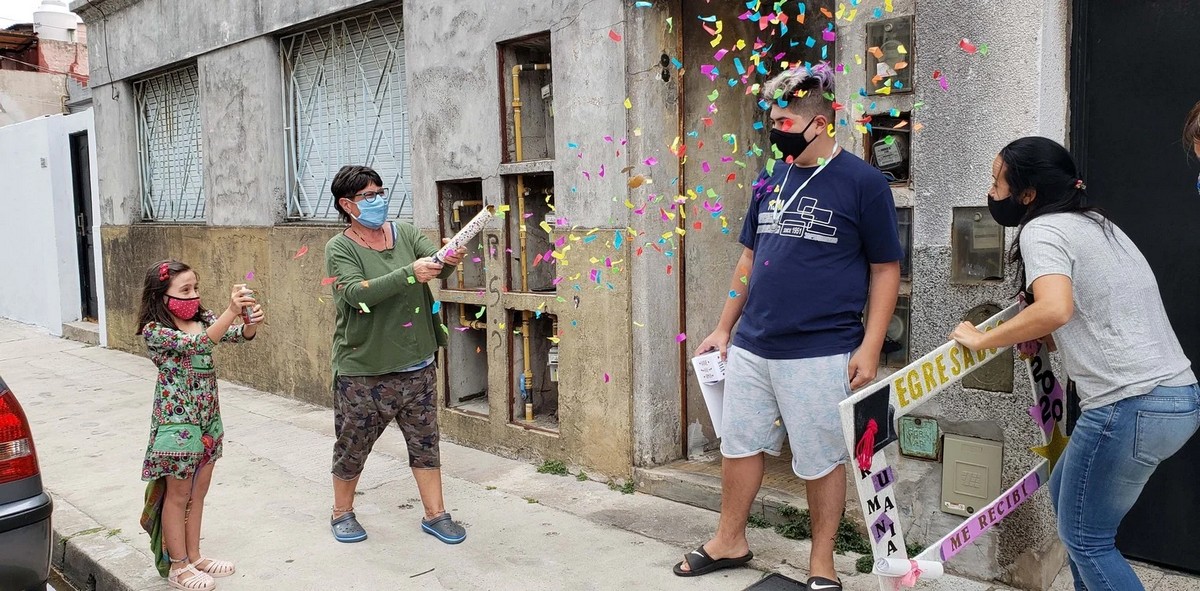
[[24, 506]]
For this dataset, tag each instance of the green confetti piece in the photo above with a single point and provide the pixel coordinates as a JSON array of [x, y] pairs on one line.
[[445, 329], [417, 310], [712, 96], [479, 314], [411, 280], [364, 307], [889, 140]]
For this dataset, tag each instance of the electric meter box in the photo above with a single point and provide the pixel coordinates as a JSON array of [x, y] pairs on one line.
[[970, 473]]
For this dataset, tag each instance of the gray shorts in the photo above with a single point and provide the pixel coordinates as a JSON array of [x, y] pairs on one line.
[[803, 392]]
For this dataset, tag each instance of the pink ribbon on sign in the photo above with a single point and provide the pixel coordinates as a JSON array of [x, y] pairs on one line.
[[910, 579]]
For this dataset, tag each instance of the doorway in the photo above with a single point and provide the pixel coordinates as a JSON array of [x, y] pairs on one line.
[[81, 180], [1131, 86]]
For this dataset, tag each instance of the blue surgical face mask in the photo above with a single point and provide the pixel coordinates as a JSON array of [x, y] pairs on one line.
[[372, 213]]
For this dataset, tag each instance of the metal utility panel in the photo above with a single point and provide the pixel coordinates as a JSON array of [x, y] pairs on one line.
[[970, 473]]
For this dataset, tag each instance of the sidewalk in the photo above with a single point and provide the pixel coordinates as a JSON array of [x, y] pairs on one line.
[[268, 506]]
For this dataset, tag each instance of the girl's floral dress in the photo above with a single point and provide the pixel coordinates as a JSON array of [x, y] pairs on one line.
[[185, 428]]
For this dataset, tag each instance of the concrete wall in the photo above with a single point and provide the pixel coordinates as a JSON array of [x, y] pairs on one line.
[[1019, 88], [25, 95], [37, 221]]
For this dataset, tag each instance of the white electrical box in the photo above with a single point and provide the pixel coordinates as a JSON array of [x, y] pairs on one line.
[[970, 473]]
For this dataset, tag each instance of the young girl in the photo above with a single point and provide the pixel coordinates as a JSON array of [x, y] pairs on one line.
[[185, 427]]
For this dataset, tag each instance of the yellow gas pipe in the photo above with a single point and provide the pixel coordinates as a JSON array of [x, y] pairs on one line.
[[457, 217], [520, 156]]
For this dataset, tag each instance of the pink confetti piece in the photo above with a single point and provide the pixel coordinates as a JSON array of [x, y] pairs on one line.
[[250, 276], [705, 167], [606, 378], [828, 36], [681, 338], [328, 280], [651, 161], [601, 171], [303, 251], [615, 36], [608, 138], [720, 54]]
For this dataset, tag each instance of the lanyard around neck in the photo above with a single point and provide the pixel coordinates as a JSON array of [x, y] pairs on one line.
[[780, 209]]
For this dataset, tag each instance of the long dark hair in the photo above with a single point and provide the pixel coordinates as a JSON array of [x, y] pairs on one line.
[[154, 289], [1045, 167]]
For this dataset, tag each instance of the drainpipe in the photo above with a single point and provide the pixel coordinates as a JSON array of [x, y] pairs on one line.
[[526, 323], [457, 218]]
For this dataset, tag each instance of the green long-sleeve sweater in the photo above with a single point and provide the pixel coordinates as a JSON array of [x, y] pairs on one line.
[[385, 319]]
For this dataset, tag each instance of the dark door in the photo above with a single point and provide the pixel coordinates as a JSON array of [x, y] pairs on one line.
[[81, 177], [1134, 78]]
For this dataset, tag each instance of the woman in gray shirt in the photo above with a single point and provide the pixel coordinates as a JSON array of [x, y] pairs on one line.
[[1094, 291]]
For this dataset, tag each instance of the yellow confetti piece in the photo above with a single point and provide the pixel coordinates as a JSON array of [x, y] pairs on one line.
[[887, 5], [553, 340], [639, 324], [501, 326], [716, 40], [902, 50], [505, 208], [544, 226], [741, 44], [628, 103]]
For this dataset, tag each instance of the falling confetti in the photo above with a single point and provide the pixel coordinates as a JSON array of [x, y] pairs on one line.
[[615, 36], [303, 251]]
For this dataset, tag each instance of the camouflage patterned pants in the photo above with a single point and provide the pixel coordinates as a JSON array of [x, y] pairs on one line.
[[363, 407]]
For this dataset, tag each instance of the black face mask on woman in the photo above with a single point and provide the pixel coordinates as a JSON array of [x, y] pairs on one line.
[[1007, 212]]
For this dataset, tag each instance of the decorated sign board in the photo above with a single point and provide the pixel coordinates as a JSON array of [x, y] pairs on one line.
[[869, 420]]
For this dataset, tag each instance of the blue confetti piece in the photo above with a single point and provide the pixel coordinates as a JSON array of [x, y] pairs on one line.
[[588, 239], [732, 294], [437, 307], [810, 42], [708, 19], [878, 13], [758, 125], [642, 4], [737, 63], [678, 64], [573, 145]]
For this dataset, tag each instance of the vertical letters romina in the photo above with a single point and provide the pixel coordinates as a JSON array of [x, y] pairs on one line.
[[918, 381]]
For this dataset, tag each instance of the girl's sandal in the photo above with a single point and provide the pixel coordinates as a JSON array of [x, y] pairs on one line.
[[196, 581], [215, 568]]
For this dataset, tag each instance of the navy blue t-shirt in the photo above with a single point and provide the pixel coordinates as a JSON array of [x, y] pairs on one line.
[[808, 288]]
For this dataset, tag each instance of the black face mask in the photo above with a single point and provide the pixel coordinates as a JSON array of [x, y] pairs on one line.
[[1007, 212], [792, 144]]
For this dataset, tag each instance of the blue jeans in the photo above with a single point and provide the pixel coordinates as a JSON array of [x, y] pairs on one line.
[[1113, 451]]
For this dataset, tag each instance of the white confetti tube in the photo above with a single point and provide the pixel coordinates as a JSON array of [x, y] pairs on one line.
[[895, 567], [469, 230]]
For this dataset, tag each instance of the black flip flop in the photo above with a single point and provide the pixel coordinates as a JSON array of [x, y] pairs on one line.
[[700, 563]]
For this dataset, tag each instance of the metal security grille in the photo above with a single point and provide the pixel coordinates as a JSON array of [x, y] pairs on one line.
[[170, 157], [346, 104]]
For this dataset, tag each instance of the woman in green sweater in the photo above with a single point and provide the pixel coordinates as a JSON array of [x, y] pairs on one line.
[[384, 348]]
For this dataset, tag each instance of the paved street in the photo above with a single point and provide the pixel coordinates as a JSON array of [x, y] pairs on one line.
[[269, 502]]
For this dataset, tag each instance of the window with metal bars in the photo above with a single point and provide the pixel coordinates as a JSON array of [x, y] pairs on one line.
[[170, 158], [346, 103]]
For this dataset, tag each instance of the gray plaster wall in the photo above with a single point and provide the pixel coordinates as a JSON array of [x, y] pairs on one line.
[[456, 108], [117, 157], [243, 136], [1019, 88], [128, 38], [657, 429]]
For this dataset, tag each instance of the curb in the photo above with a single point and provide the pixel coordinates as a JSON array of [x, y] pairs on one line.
[[94, 558]]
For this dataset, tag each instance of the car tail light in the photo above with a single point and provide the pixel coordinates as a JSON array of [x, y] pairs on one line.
[[17, 457]]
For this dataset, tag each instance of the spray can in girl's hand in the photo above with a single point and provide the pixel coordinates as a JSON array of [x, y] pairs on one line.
[[246, 310]]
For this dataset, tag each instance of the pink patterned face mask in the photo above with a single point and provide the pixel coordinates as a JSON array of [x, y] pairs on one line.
[[183, 308]]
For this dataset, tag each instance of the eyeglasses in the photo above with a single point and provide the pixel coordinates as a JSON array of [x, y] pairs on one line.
[[370, 196]]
